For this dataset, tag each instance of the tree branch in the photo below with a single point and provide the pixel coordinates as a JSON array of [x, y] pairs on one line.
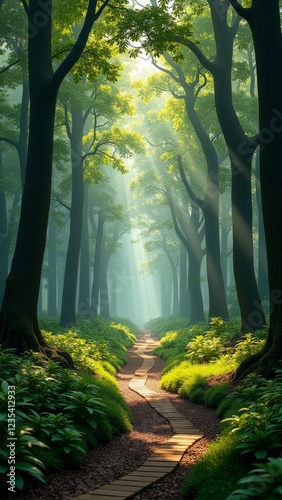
[[188, 188], [209, 65], [161, 68], [174, 218], [62, 203], [241, 11], [10, 66], [67, 122], [10, 141], [77, 49]]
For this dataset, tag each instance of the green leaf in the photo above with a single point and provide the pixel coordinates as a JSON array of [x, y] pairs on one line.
[[260, 454], [19, 481]]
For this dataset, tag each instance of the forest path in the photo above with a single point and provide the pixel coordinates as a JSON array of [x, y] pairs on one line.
[[168, 455]]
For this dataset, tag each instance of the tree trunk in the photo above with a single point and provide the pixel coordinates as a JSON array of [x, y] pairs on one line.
[[68, 311], [264, 20], [210, 203], [52, 268], [104, 289], [113, 294], [84, 281], [262, 257], [175, 303], [165, 294], [183, 282], [210, 208], [241, 151], [224, 239], [4, 237], [18, 319], [97, 264]]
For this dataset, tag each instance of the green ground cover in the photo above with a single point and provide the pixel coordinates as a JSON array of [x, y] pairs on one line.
[[244, 462], [59, 413]]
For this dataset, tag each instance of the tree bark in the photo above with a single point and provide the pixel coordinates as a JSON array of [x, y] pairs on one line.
[[264, 20], [84, 281], [18, 319], [104, 297], [175, 303], [210, 204], [191, 239], [68, 311], [4, 237], [52, 268], [97, 264], [241, 150], [183, 283], [262, 256]]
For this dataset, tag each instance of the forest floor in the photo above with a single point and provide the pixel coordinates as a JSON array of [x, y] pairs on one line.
[[125, 453]]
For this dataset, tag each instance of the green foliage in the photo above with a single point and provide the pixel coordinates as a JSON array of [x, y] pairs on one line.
[[249, 344], [19, 454], [183, 376], [96, 346], [215, 475], [64, 411], [263, 482], [214, 395], [258, 426], [204, 349], [196, 393], [251, 428], [161, 326], [155, 27]]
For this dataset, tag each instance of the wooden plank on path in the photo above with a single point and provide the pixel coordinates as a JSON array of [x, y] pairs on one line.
[[165, 458]]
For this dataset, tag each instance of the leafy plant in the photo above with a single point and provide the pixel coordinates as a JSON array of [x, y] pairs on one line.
[[263, 482], [20, 455], [69, 439], [204, 349], [248, 345], [82, 407]]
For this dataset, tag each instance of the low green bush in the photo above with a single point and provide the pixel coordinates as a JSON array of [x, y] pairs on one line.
[[216, 474], [214, 395], [162, 325], [264, 482], [196, 392], [65, 411], [182, 377], [249, 344]]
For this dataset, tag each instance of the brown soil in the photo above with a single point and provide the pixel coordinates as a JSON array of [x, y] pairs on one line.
[[125, 453]]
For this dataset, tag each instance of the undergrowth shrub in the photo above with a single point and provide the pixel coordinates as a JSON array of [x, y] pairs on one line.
[[162, 325], [60, 414], [263, 482], [214, 395], [183, 376], [216, 474]]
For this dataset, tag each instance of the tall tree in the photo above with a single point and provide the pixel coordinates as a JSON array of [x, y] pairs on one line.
[[101, 105], [241, 151], [18, 319], [265, 24]]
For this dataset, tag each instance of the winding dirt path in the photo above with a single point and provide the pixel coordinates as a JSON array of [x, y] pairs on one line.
[[124, 454], [168, 455]]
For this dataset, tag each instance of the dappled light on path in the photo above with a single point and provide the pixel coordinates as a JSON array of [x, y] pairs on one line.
[[167, 455]]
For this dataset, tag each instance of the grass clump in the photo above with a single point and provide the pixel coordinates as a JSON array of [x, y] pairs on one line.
[[214, 395], [181, 378], [216, 474]]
